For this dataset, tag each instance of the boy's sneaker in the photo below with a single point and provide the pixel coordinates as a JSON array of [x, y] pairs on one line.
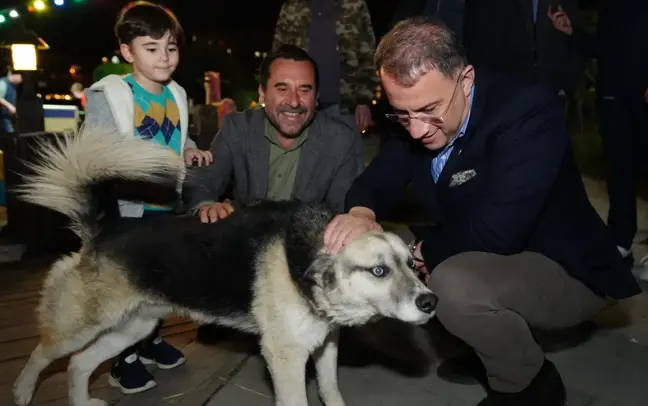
[[131, 376], [161, 353]]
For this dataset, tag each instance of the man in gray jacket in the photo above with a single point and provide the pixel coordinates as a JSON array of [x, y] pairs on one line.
[[284, 151]]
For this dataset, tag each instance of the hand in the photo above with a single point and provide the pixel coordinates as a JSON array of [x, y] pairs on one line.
[[197, 155], [363, 116], [11, 108], [211, 213], [344, 228], [560, 20]]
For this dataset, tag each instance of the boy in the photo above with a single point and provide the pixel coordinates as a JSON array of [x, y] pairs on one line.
[[148, 104]]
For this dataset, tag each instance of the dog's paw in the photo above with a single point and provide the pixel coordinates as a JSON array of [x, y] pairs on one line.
[[333, 399], [97, 402], [22, 394]]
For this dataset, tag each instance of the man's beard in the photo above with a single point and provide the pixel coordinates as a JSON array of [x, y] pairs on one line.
[[287, 109]]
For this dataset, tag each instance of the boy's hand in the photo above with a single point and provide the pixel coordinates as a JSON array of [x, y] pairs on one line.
[[201, 157], [213, 212]]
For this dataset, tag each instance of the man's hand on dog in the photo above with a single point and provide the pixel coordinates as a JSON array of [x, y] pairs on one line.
[[211, 213], [346, 227]]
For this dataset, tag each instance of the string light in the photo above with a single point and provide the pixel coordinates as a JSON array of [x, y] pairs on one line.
[[36, 6], [39, 5]]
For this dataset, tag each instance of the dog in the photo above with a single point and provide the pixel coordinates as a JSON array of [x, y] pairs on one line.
[[262, 270]]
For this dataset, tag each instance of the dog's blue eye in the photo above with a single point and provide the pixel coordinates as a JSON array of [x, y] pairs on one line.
[[410, 263], [378, 271]]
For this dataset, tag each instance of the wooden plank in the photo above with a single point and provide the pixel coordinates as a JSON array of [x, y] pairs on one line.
[[52, 389], [20, 286], [208, 369]]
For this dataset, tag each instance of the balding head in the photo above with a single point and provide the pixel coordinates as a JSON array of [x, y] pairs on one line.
[[416, 46]]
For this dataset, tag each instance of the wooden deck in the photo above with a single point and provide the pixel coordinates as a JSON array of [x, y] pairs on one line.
[[19, 294]]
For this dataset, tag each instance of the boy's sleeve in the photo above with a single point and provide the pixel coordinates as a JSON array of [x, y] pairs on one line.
[[98, 113], [189, 143]]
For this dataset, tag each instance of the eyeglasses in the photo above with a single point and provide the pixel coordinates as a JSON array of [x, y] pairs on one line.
[[437, 121]]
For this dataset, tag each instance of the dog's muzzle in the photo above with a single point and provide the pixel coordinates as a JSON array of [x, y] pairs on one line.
[[427, 302]]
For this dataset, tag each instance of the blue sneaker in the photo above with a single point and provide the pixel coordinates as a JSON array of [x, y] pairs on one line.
[[131, 376], [161, 353]]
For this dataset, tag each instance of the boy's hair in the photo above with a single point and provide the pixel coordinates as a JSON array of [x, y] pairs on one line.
[[145, 19]]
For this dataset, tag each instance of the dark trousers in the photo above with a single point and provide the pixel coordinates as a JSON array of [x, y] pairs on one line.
[[623, 128], [491, 302]]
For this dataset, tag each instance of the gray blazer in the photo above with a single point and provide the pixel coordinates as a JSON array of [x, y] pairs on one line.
[[326, 168]]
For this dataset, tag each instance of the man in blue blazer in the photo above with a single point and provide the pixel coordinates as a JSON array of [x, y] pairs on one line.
[[517, 244]]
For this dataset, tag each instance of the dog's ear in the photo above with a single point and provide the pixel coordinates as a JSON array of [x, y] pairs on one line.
[[320, 272]]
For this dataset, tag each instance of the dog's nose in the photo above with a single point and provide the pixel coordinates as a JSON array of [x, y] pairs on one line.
[[427, 302]]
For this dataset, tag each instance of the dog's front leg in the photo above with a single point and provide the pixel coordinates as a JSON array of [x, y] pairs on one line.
[[287, 366], [326, 363]]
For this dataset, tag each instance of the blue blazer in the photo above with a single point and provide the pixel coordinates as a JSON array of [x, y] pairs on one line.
[[525, 193]]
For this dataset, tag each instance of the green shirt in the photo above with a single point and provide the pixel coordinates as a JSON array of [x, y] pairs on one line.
[[283, 163]]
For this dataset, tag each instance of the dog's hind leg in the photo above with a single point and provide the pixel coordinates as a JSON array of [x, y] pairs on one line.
[[43, 355], [326, 363], [105, 347], [287, 366], [50, 348]]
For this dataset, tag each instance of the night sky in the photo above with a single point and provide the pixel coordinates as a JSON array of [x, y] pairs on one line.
[[82, 32]]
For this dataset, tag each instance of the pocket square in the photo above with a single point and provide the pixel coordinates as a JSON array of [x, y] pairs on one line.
[[462, 177]]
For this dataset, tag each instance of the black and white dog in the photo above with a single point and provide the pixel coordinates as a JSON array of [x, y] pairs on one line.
[[261, 270]]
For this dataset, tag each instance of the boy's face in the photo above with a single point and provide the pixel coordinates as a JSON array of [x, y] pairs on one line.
[[154, 59]]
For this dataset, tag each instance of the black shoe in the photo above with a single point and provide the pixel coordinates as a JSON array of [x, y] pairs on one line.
[[160, 353], [130, 375], [546, 389]]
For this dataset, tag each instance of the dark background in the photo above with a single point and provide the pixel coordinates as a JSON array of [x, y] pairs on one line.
[[80, 33]]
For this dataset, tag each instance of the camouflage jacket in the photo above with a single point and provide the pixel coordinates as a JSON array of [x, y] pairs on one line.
[[357, 43]]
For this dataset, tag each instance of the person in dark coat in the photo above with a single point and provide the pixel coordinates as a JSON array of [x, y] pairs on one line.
[[516, 244]]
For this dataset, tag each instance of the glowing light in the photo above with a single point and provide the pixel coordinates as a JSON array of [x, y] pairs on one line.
[[2, 19], [13, 14], [24, 57], [104, 59], [257, 54], [114, 59], [39, 5], [59, 2]]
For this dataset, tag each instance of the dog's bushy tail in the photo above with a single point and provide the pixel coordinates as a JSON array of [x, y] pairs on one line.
[[73, 172]]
